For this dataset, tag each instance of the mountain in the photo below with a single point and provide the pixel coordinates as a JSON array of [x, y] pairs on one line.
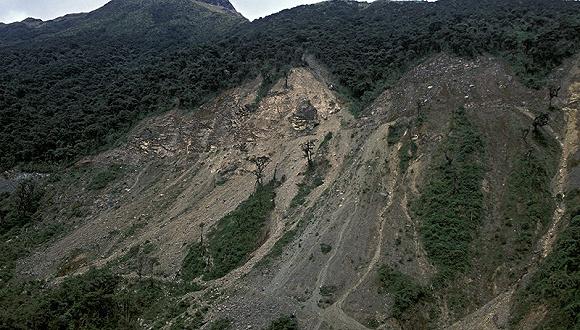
[[343, 165], [136, 20]]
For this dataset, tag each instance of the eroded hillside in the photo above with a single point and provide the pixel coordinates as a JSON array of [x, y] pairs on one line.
[[431, 210]]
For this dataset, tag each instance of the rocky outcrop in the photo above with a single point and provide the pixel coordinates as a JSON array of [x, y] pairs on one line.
[[306, 117]]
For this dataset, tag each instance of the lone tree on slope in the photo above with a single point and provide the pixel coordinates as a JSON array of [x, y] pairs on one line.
[[541, 120], [553, 92], [261, 163], [307, 149]]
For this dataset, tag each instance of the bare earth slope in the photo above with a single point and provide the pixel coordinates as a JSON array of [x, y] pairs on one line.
[[184, 169]]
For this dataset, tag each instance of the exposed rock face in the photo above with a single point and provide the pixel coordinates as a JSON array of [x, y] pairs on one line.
[[305, 117]]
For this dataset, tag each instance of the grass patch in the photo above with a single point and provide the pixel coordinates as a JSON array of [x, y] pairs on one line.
[[221, 324], [555, 284], [95, 300], [103, 177], [327, 290], [450, 207], [405, 290], [407, 153], [529, 201], [279, 246], [313, 178], [325, 248], [395, 133], [233, 239], [284, 323]]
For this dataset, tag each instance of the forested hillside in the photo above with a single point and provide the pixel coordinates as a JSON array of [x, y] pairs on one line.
[[80, 87]]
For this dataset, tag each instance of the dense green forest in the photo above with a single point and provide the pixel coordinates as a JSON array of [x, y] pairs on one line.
[[78, 89]]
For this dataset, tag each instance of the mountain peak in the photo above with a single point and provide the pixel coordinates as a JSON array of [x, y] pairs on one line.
[[220, 3]]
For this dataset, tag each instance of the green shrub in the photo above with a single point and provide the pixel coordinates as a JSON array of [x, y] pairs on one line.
[[233, 239], [97, 299], [20, 207], [221, 324], [284, 323], [325, 248], [406, 154], [396, 133], [279, 246], [405, 291], [555, 284], [313, 178], [195, 263], [528, 201], [105, 176], [451, 204]]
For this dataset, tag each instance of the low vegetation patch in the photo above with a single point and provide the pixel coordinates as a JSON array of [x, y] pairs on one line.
[[325, 248], [395, 133], [528, 202], [221, 324], [284, 323], [313, 178], [406, 154], [555, 284], [451, 204], [103, 177], [404, 289], [279, 246], [96, 300], [233, 239]]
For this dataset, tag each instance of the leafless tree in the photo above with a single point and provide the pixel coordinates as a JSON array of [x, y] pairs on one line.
[[553, 93], [448, 158], [540, 121], [307, 149], [261, 163]]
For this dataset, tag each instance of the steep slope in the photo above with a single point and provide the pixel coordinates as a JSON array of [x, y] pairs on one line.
[[446, 202], [327, 246]]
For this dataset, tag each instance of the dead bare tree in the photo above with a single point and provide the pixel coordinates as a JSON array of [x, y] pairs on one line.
[[541, 120], [261, 163], [307, 149], [553, 93], [448, 158]]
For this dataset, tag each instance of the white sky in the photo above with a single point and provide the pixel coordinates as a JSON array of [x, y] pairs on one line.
[[17, 10]]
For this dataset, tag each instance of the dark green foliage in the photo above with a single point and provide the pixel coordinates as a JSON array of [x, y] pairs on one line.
[[451, 204], [555, 284], [195, 263], [284, 323], [327, 290], [20, 242], [19, 208], [221, 324], [396, 133], [233, 239], [313, 178], [404, 289], [325, 248], [95, 300], [406, 154], [528, 201], [278, 248], [67, 90], [104, 176]]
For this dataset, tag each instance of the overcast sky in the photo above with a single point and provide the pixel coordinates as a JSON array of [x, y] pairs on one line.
[[17, 10]]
